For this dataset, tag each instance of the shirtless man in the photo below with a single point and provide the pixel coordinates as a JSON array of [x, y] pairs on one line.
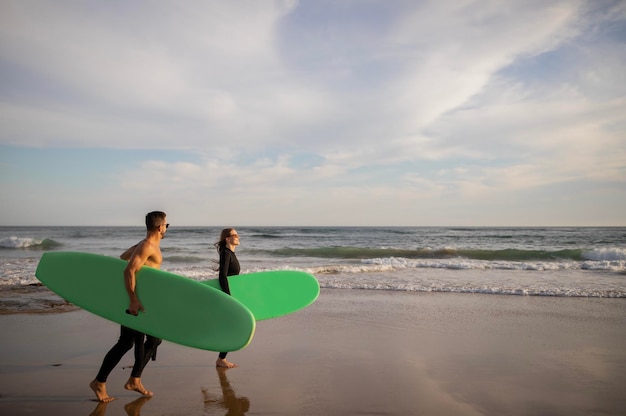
[[146, 253]]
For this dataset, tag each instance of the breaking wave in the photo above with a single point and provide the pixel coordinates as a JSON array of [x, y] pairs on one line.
[[28, 243], [507, 255]]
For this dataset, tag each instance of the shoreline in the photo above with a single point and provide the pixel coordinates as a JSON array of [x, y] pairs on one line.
[[36, 298], [351, 352]]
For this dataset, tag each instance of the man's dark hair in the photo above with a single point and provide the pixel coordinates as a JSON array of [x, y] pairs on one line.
[[154, 219]]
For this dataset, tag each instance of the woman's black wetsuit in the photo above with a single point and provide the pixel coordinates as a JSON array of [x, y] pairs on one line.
[[229, 266]]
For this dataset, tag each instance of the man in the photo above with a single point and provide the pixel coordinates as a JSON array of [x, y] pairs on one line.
[[146, 253]]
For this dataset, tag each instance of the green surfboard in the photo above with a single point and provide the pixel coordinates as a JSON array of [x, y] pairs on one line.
[[271, 294], [177, 309]]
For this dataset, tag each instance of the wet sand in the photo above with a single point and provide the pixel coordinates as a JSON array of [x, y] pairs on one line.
[[352, 352]]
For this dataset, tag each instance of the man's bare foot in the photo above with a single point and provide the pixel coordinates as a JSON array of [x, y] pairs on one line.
[[101, 391], [134, 383], [223, 363]]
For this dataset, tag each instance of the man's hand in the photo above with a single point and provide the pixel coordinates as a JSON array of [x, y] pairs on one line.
[[134, 307]]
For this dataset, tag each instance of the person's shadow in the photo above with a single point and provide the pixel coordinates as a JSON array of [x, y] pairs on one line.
[[132, 408], [235, 406]]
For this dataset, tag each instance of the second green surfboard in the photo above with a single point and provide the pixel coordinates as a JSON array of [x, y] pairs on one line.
[[271, 294]]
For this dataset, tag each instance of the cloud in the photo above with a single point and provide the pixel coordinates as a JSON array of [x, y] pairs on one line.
[[322, 103], [193, 68]]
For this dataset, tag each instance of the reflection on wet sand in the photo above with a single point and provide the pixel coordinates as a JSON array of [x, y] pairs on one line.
[[235, 406], [132, 408]]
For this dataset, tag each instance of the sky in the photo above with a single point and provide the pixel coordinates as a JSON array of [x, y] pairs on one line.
[[313, 112]]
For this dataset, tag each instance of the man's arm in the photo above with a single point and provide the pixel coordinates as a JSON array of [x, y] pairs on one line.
[[140, 254], [128, 253]]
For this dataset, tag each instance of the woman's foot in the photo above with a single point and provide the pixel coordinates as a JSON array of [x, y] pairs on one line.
[[223, 363]]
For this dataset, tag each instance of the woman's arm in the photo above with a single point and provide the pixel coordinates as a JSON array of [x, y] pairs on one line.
[[224, 265]]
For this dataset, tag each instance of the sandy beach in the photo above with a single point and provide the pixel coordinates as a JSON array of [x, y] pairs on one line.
[[352, 352]]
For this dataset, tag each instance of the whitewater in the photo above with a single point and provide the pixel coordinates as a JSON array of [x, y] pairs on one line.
[[526, 261]]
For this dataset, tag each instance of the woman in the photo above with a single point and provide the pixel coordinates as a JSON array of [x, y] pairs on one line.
[[229, 266]]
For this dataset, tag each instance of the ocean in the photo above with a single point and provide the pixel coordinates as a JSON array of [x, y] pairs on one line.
[[523, 261]]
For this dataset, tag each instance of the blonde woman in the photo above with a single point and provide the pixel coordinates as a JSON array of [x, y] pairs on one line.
[[229, 266]]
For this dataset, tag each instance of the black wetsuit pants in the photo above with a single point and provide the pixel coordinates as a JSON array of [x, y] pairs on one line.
[[144, 350]]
